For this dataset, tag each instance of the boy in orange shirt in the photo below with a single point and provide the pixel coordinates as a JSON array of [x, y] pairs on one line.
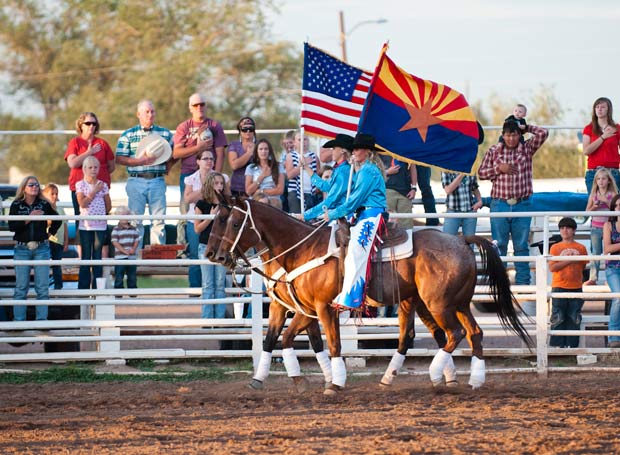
[[566, 277]]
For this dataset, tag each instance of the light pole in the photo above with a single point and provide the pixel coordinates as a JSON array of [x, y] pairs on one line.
[[344, 34]]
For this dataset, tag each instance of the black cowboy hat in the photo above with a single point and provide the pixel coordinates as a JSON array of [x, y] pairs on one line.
[[364, 141], [341, 140]]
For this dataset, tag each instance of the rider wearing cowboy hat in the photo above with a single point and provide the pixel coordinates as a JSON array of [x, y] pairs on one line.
[[336, 186], [368, 201]]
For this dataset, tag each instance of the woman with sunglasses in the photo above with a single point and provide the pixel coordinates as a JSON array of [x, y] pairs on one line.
[[240, 154], [192, 193], [32, 244], [81, 147]]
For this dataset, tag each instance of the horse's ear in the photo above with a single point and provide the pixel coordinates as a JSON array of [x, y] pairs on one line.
[[223, 199], [240, 200]]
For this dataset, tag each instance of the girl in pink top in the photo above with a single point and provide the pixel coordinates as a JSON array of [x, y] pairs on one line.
[[603, 190], [93, 195]]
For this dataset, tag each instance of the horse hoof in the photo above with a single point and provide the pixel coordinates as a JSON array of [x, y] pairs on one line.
[[255, 384], [454, 383], [327, 385], [437, 384], [301, 384], [332, 390]]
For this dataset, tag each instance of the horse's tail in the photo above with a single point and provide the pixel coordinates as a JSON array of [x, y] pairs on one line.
[[499, 284]]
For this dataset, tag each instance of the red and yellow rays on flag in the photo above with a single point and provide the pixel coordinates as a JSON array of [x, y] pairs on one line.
[[419, 120]]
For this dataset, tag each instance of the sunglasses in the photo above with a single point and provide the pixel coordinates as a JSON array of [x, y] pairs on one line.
[[32, 185], [199, 104], [250, 129], [89, 123], [207, 158]]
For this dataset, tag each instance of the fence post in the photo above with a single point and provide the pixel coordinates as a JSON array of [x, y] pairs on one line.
[[256, 286], [106, 313], [541, 316]]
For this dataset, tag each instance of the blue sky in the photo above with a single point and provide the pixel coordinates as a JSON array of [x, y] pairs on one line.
[[478, 47]]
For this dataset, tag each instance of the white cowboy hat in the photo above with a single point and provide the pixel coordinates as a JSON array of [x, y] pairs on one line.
[[154, 145]]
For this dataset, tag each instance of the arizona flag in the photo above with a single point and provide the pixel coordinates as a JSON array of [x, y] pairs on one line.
[[419, 121]]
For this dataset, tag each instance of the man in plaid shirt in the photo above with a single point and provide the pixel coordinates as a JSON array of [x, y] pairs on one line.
[[509, 166], [145, 184], [462, 196]]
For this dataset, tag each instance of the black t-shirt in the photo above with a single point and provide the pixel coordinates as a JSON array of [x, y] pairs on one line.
[[401, 181], [205, 209]]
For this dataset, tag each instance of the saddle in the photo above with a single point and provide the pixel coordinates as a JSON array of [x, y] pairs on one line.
[[396, 243], [393, 237]]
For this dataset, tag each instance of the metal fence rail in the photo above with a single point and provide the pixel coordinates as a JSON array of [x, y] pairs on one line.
[[102, 332]]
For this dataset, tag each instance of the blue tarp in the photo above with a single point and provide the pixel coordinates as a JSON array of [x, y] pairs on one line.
[[554, 201]]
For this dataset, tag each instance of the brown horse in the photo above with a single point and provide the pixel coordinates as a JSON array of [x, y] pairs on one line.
[[439, 277]]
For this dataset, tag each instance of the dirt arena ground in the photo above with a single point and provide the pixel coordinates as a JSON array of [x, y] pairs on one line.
[[568, 413]]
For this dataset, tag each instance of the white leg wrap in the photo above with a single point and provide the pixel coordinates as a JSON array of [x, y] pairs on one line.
[[392, 370], [325, 364], [477, 373], [449, 370], [291, 363], [437, 365], [339, 371], [264, 364]]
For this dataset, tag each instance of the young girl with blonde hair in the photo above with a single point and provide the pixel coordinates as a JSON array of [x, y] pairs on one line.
[[213, 275], [603, 190]]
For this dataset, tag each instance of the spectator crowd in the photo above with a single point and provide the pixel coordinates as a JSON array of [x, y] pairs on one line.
[[304, 182]]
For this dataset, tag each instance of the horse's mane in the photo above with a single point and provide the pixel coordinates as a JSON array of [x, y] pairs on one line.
[[279, 213]]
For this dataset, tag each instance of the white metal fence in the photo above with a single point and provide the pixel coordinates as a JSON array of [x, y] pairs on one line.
[[111, 322]]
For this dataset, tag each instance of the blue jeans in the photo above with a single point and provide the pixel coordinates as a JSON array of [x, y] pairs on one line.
[[451, 225], [22, 279], [92, 244], [428, 199], [132, 276], [613, 280], [518, 229], [193, 240], [56, 251], [213, 284], [565, 315], [596, 247], [141, 192], [590, 177]]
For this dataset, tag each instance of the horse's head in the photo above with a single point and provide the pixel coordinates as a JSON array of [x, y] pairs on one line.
[[236, 234], [218, 226]]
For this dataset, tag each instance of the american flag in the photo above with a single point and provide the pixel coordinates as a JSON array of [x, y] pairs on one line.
[[333, 94]]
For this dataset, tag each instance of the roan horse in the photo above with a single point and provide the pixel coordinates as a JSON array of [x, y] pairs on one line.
[[439, 279]]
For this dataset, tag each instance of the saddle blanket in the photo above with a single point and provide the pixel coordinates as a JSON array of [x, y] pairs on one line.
[[396, 252]]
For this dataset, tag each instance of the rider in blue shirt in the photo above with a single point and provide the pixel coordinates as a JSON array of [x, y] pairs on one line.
[[336, 187], [368, 200]]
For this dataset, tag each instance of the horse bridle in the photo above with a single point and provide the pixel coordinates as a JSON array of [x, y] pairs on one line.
[[235, 251]]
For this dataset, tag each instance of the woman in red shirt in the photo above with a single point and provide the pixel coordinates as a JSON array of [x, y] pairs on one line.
[[600, 142], [83, 146]]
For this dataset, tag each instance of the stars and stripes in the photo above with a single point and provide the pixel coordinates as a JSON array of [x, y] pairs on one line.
[[333, 94]]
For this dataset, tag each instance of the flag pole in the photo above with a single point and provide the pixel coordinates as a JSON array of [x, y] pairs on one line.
[[301, 172], [349, 183]]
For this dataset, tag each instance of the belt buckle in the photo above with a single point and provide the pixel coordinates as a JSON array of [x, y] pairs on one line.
[[511, 201], [32, 245]]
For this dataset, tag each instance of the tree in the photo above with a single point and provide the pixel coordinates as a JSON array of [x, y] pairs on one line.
[[105, 55]]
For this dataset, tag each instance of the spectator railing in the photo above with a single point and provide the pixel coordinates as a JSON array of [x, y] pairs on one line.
[[101, 332]]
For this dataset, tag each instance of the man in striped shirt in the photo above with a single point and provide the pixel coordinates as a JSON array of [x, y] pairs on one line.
[[146, 184], [509, 166]]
